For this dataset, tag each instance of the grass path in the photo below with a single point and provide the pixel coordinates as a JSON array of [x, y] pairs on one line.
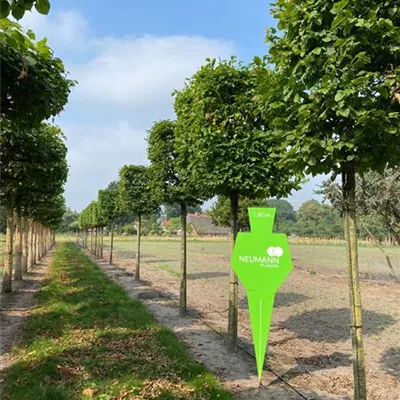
[[86, 339]]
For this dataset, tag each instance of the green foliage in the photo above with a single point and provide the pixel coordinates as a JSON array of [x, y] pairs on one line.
[[285, 217], [134, 190], [174, 210], [108, 205], [224, 144], [34, 84], [34, 170], [166, 184], [318, 220], [69, 221], [17, 8], [128, 229], [336, 97], [220, 211], [377, 201]]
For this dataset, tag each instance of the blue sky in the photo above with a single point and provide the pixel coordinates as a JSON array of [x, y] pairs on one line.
[[128, 56]]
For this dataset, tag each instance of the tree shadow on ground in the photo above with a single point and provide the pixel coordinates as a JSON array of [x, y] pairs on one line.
[[391, 362], [333, 324], [207, 275], [282, 299]]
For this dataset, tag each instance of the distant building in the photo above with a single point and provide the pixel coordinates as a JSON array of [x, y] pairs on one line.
[[203, 225]]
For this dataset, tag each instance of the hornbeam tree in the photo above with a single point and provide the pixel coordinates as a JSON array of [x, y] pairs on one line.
[[108, 208], [168, 187], [226, 147], [34, 88], [34, 169], [337, 104], [135, 197]]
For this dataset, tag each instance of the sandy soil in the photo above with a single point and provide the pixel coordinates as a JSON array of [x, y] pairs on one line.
[[309, 342], [15, 307], [236, 371]]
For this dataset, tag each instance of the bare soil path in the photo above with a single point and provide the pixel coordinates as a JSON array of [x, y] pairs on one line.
[[16, 306]]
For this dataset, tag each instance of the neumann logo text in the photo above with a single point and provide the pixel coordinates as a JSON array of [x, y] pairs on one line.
[[270, 261]]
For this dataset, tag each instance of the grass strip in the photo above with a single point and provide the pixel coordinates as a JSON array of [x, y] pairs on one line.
[[87, 339]]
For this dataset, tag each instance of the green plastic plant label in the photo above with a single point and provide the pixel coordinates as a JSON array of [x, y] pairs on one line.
[[262, 261]]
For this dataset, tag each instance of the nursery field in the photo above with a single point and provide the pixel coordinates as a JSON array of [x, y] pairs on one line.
[[309, 342]]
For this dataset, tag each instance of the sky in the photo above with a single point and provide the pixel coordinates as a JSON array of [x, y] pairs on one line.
[[128, 57]]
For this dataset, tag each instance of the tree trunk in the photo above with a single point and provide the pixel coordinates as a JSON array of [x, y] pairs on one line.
[[95, 242], [183, 287], [112, 244], [101, 241], [18, 249], [233, 284], [33, 244], [38, 254], [137, 270], [30, 238], [25, 243], [91, 240], [7, 282], [350, 231]]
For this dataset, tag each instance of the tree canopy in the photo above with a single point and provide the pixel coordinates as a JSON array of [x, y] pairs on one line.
[[339, 73], [134, 190], [34, 83], [17, 8], [226, 144]]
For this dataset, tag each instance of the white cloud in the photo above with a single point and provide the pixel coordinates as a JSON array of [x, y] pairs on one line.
[[125, 84], [67, 31], [144, 70], [96, 153]]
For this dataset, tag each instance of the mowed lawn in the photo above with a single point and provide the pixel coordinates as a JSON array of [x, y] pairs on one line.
[[87, 339]]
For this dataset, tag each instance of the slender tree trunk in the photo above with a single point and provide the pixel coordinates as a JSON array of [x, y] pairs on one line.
[[33, 244], [38, 253], [183, 288], [25, 246], [18, 249], [233, 284], [7, 281], [137, 270], [111, 244], [91, 240], [101, 241], [30, 232], [350, 231]]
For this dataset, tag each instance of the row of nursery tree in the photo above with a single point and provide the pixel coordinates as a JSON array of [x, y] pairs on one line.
[[329, 105], [34, 88]]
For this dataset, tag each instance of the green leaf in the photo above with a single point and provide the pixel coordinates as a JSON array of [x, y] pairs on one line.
[[317, 51], [340, 95], [4, 8], [42, 6], [257, 60], [18, 12], [337, 21], [344, 112], [31, 35]]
